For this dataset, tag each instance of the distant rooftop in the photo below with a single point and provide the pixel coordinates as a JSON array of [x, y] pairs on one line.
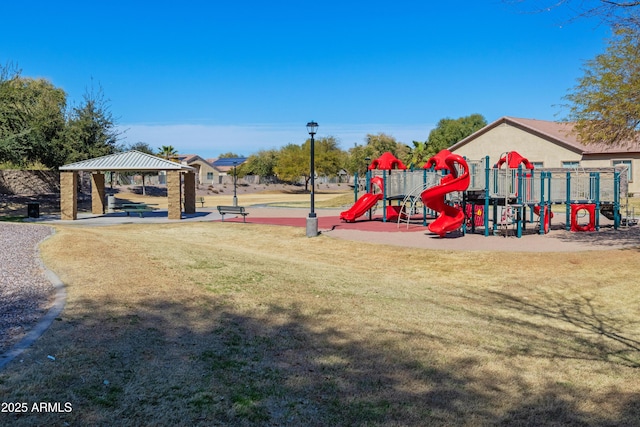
[[228, 161]]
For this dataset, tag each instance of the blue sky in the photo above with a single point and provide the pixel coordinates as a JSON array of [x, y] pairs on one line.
[[209, 77]]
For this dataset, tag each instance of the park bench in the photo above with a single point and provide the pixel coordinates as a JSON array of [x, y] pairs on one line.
[[139, 208], [234, 210], [200, 200]]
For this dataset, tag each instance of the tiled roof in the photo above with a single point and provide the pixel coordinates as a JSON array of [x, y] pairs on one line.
[[187, 159], [560, 133], [127, 161]]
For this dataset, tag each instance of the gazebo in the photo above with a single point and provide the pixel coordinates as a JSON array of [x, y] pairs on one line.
[[129, 161]]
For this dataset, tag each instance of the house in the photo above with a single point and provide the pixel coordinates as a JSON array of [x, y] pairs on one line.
[[206, 173], [547, 144], [225, 165]]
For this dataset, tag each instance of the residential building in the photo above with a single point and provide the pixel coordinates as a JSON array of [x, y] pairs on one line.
[[548, 144], [206, 173], [225, 165]]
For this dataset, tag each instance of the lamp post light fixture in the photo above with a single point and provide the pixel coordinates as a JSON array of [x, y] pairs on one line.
[[312, 220], [235, 181]]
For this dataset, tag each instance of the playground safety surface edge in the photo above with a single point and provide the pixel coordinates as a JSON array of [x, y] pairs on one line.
[[414, 235]]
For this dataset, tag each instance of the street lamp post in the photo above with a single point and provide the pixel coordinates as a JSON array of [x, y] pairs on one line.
[[366, 171], [367, 183], [312, 220], [235, 180]]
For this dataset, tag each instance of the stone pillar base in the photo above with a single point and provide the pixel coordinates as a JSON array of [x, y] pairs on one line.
[[312, 226], [68, 195], [97, 193], [174, 195]]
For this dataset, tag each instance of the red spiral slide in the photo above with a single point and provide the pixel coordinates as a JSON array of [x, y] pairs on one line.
[[450, 218]]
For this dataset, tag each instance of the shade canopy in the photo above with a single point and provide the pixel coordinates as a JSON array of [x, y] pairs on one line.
[[132, 160], [387, 161], [438, 161], [513, 160]]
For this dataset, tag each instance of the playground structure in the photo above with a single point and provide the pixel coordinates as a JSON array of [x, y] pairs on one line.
[[499, 198]]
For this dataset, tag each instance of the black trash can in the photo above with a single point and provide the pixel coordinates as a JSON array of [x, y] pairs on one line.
[[33, 210]]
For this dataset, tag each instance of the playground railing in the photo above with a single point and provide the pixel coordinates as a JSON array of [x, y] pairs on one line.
[[477, 174], [402, 182]]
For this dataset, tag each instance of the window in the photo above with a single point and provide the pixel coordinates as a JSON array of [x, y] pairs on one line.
[[209, 176], [628, 164], [537, 165], [571, 164]]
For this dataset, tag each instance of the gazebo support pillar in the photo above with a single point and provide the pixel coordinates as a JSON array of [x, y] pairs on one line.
[[189, 192], [97, 193], [68, 195], [174, 195]]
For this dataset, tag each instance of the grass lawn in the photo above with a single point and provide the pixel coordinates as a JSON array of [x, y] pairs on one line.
[[233, 324]]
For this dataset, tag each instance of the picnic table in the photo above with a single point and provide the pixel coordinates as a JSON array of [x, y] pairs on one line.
[[139, 208]]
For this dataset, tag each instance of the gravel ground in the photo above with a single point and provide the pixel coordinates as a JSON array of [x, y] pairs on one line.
[[25, 293]]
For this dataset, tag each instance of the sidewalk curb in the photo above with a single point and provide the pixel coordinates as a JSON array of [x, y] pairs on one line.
[[45, 322]]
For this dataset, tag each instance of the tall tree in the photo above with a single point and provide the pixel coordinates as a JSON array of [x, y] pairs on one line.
[[328, 157], [606, 102], [31, 119], [261, 163], [375, 146], [381, 143], [293, 163], [167, 152], [419, 154], [356, 160], [449, 131], [229, 155], [617, 13], [91, 129]]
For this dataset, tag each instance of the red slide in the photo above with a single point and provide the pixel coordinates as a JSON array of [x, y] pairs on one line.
[[536, 210], [547, 216], [450, 218], [364, 203]]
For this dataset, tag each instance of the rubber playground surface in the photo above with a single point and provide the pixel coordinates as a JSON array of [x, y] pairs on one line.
[[418, 236], [333, 222]]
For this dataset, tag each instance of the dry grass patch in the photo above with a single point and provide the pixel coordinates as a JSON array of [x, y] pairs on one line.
[[204, 324]]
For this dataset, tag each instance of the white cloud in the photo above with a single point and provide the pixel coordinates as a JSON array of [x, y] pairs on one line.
[[212, 140]]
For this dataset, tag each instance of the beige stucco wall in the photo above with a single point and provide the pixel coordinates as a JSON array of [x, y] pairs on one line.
[[608, 161], [202, 169], [504, 138]]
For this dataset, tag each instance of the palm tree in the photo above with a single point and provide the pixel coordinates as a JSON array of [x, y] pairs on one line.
[[167, 152]]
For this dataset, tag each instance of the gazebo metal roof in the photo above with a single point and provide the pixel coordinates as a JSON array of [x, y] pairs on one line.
[[127, 161]]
